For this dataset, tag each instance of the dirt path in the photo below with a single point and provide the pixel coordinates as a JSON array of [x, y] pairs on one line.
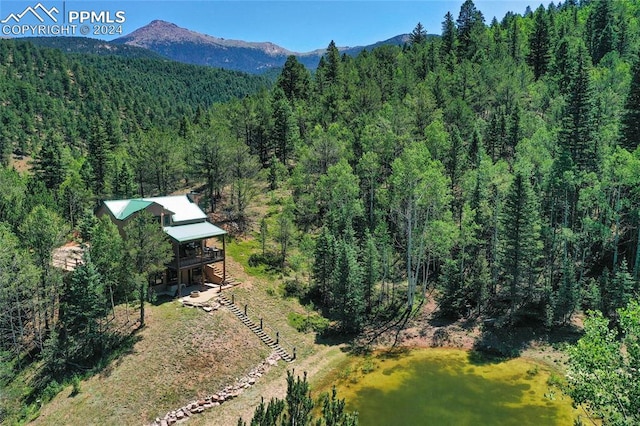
[[272, 385]]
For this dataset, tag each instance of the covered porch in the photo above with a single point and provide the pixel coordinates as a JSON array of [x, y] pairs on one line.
[[199, 256]]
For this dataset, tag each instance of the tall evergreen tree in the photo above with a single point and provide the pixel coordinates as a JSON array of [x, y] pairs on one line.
[[283, 132], [149, 250], [210, 152], [576, 135], [299, 402], [98, 147], [123, 185], [540, 44], [49, 165], [42, 231], [324, 264], [13, 196], [601, 30], [347, 282], [295, 80], [631, 119], [449, 35], [470, 21], [418, 35], [83, 304], [521, 245]]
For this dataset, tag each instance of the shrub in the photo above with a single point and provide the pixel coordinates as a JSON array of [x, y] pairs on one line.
[[295, 288], [75, 382], [272, 261], [304, 323]]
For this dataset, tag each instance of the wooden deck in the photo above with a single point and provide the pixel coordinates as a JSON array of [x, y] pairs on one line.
[[195, 260]]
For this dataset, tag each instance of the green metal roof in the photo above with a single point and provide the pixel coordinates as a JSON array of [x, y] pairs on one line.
[[194, 231], [132, 207], [122, 209]]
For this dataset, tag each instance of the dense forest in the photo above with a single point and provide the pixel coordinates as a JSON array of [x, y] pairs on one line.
[[494, 168], [47, 94]]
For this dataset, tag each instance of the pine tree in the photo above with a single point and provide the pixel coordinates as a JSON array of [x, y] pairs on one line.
[[448, 38], [149, 250], [298, 407], [567, 297], [333, 73], [74, 196], [324, 264], [630, 138], [540, 44], [13, 196], [469, 22], [418, 35], [600, 29], [299, 402], [333, 411], [370, 267], [98, 157], [283, 132], [210, 151], [514, 39], [520, 244], [576, 134], [514, 131], [49, 165], [329, 83], [295, 80], [83, 304], [347, 284], [123, 185], [620, 289]]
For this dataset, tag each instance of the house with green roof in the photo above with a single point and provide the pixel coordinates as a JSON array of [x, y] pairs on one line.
[[198, 245]]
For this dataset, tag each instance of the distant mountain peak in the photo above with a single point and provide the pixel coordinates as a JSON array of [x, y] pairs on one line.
[[163, 32], [184, 45]]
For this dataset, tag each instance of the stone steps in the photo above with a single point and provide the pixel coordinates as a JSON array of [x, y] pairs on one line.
[[266, 339]]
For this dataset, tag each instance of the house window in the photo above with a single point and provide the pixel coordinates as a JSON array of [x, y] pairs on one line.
[[166, 220], [157, 279]]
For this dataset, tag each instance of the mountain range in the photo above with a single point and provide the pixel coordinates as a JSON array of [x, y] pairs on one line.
[[167, 40]]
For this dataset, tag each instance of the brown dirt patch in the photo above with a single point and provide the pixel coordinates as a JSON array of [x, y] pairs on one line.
[[427, 330], [22, 164]]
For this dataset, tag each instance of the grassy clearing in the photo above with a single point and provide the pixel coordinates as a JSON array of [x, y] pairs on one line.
[[240, 250], [182, 353]]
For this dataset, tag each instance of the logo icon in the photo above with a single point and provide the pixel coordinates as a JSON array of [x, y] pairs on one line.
[[36, 11]]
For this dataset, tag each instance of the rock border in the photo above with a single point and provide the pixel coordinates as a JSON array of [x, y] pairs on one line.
[[201, 405]]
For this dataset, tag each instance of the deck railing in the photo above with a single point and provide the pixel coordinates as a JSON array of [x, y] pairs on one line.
[[208, 256]]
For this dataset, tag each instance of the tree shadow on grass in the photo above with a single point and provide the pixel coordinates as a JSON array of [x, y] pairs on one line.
[[161, 299], [116, 356]]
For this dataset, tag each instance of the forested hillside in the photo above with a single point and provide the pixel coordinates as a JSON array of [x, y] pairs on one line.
[[495, 168], [497, 163], [46, 93]]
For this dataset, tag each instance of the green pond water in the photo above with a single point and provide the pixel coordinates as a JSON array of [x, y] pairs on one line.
[[450, 387]]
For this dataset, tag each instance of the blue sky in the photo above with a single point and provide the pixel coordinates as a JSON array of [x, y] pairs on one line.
[[295, 25]]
